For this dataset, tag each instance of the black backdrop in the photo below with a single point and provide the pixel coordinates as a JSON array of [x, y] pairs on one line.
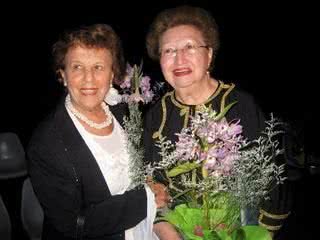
[[258, 51], [260, 43]]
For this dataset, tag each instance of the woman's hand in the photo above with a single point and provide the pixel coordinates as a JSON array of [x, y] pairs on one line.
[[162, 196], [165, 231]]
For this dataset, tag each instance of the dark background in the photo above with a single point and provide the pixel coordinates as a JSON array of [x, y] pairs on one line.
[[260, 48], [260, 44]]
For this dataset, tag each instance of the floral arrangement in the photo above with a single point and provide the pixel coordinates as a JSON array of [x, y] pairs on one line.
[[136, 87], [213, 173], [135, 90]]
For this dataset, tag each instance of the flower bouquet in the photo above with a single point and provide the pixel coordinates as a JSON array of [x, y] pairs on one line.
[[213, 174], [136, 90]]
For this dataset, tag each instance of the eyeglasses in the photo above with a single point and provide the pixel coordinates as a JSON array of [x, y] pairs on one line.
[[189, 49]]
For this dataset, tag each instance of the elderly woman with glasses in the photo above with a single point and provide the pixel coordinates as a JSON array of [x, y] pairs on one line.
[[185, 40]]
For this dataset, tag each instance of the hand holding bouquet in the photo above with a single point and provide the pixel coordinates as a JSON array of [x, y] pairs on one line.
[[213, 173]]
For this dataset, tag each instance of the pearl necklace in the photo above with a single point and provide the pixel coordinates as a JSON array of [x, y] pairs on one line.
[[83, 118]]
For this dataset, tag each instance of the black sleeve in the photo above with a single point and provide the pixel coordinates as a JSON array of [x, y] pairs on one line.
[[248, 112], [55, 186], [274, 210], [147, 140], [151, 124]]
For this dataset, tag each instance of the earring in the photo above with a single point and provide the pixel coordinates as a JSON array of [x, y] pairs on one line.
[[62, 81]]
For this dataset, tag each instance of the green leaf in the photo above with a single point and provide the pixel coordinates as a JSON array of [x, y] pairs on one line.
[[183, 168], [238, 234], [225, 110], [186, 218], [223, 235]]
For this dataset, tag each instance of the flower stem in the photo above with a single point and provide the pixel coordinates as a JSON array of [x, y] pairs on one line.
[[136, 79], [205, 197], [194, 181], [171, 185]]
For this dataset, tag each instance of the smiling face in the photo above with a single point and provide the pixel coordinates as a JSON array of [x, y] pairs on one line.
[[88, 73], [187, 67]]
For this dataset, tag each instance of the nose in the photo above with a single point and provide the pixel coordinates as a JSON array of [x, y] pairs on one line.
[[180, 56], [89, 75]]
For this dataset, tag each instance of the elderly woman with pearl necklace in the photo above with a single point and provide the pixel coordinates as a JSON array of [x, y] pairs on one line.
[[78, 162]]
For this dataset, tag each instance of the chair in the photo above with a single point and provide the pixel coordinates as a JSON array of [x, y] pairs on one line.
[[5, 224], [13, 165], [31, 212], [12, 157]]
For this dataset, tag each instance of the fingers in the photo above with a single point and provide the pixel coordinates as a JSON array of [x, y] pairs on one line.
[[149, 179], [162, 196]]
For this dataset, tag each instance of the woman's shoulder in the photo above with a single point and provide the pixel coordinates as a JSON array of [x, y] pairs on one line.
[[245, 101], [156, 110], [234, 92], [46, 129]]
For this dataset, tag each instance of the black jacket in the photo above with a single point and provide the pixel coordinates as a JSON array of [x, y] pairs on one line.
[[168, 116], [69, 184]]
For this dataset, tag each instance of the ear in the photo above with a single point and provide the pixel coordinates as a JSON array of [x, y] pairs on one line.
[[62, 77], [112, 79], [210, 56], [62, 74]]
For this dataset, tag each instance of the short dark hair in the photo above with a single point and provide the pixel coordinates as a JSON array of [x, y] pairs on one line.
[[93, 36], [183, 15]]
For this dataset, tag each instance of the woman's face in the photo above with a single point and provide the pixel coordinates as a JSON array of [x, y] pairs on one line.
[[88, 73], [184, 57]]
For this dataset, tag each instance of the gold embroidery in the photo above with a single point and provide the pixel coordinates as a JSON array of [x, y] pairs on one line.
[[158, 133], [175, 102], [223, 100], [185, 109], [185, 112], [217, 92], [186, 119], [269, 227], [220, 87], [263, 213], [274, 216]]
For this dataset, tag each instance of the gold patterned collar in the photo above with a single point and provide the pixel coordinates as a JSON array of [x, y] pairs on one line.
[[182, 105], [185, 109]]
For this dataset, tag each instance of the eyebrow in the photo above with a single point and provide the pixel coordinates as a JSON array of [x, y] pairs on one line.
[[78, 61], [184, 42]]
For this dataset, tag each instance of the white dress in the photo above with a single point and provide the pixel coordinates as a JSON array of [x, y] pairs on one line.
[[113, 159]]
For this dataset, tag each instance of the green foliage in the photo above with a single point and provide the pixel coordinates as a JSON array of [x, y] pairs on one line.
[[183, 168], [133, 128]]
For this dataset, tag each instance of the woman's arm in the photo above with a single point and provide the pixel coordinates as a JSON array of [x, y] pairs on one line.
[[165, 231], [56, 187]]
